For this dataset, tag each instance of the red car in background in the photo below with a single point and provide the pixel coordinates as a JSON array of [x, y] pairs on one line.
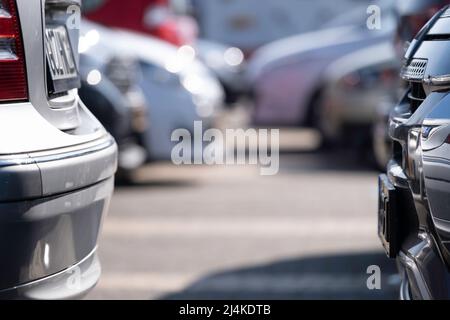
[[154, 17]]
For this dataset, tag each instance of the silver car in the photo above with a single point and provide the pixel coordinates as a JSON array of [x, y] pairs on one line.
[[57, 162]]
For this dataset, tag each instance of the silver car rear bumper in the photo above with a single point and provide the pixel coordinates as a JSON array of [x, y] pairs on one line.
[[51, 209], [72, 283], [41, 174]]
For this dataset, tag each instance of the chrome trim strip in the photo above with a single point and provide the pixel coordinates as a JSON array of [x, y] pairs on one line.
[[410, 264], [74, 154], [396, 175], [16, 162], [436, 122], [437, 83], [62, 272], [36, 158], [404, 290]]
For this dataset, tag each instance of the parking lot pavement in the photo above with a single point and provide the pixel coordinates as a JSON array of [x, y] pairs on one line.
[[216, 232]]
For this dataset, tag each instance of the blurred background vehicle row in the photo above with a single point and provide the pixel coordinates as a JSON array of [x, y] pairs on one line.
[[154, 66], [326, 74], [176, 61]]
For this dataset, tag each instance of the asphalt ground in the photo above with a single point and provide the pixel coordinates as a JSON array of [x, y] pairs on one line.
[[226, 232]]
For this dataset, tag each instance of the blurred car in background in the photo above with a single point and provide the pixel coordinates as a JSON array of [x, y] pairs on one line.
[[353, 88], [154, 17], [252, 23], [111, 90], [414, 194], [57, 162], [177, 87], [286, 76], [168, 21]]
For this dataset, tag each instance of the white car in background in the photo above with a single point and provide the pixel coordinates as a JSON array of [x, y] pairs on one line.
[[178, 88]]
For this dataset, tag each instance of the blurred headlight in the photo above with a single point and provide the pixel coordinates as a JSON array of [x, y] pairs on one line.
[[94, 77], [233, 57]]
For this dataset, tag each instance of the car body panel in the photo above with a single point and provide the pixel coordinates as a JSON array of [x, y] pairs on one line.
[[56, 175], [50, 234], [69, 284]]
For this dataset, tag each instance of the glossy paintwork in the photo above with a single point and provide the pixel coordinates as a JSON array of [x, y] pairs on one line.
[[71, 283], [424, 162], [55, 185], [44, 236]]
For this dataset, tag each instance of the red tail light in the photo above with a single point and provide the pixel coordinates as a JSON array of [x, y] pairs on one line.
[[13, 82]]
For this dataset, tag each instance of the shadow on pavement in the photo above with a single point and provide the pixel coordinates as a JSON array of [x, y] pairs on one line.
[[341, 276], [344, 160], [157, 184]]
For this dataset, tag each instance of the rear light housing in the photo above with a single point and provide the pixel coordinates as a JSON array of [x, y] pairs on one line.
[[13, 82]]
